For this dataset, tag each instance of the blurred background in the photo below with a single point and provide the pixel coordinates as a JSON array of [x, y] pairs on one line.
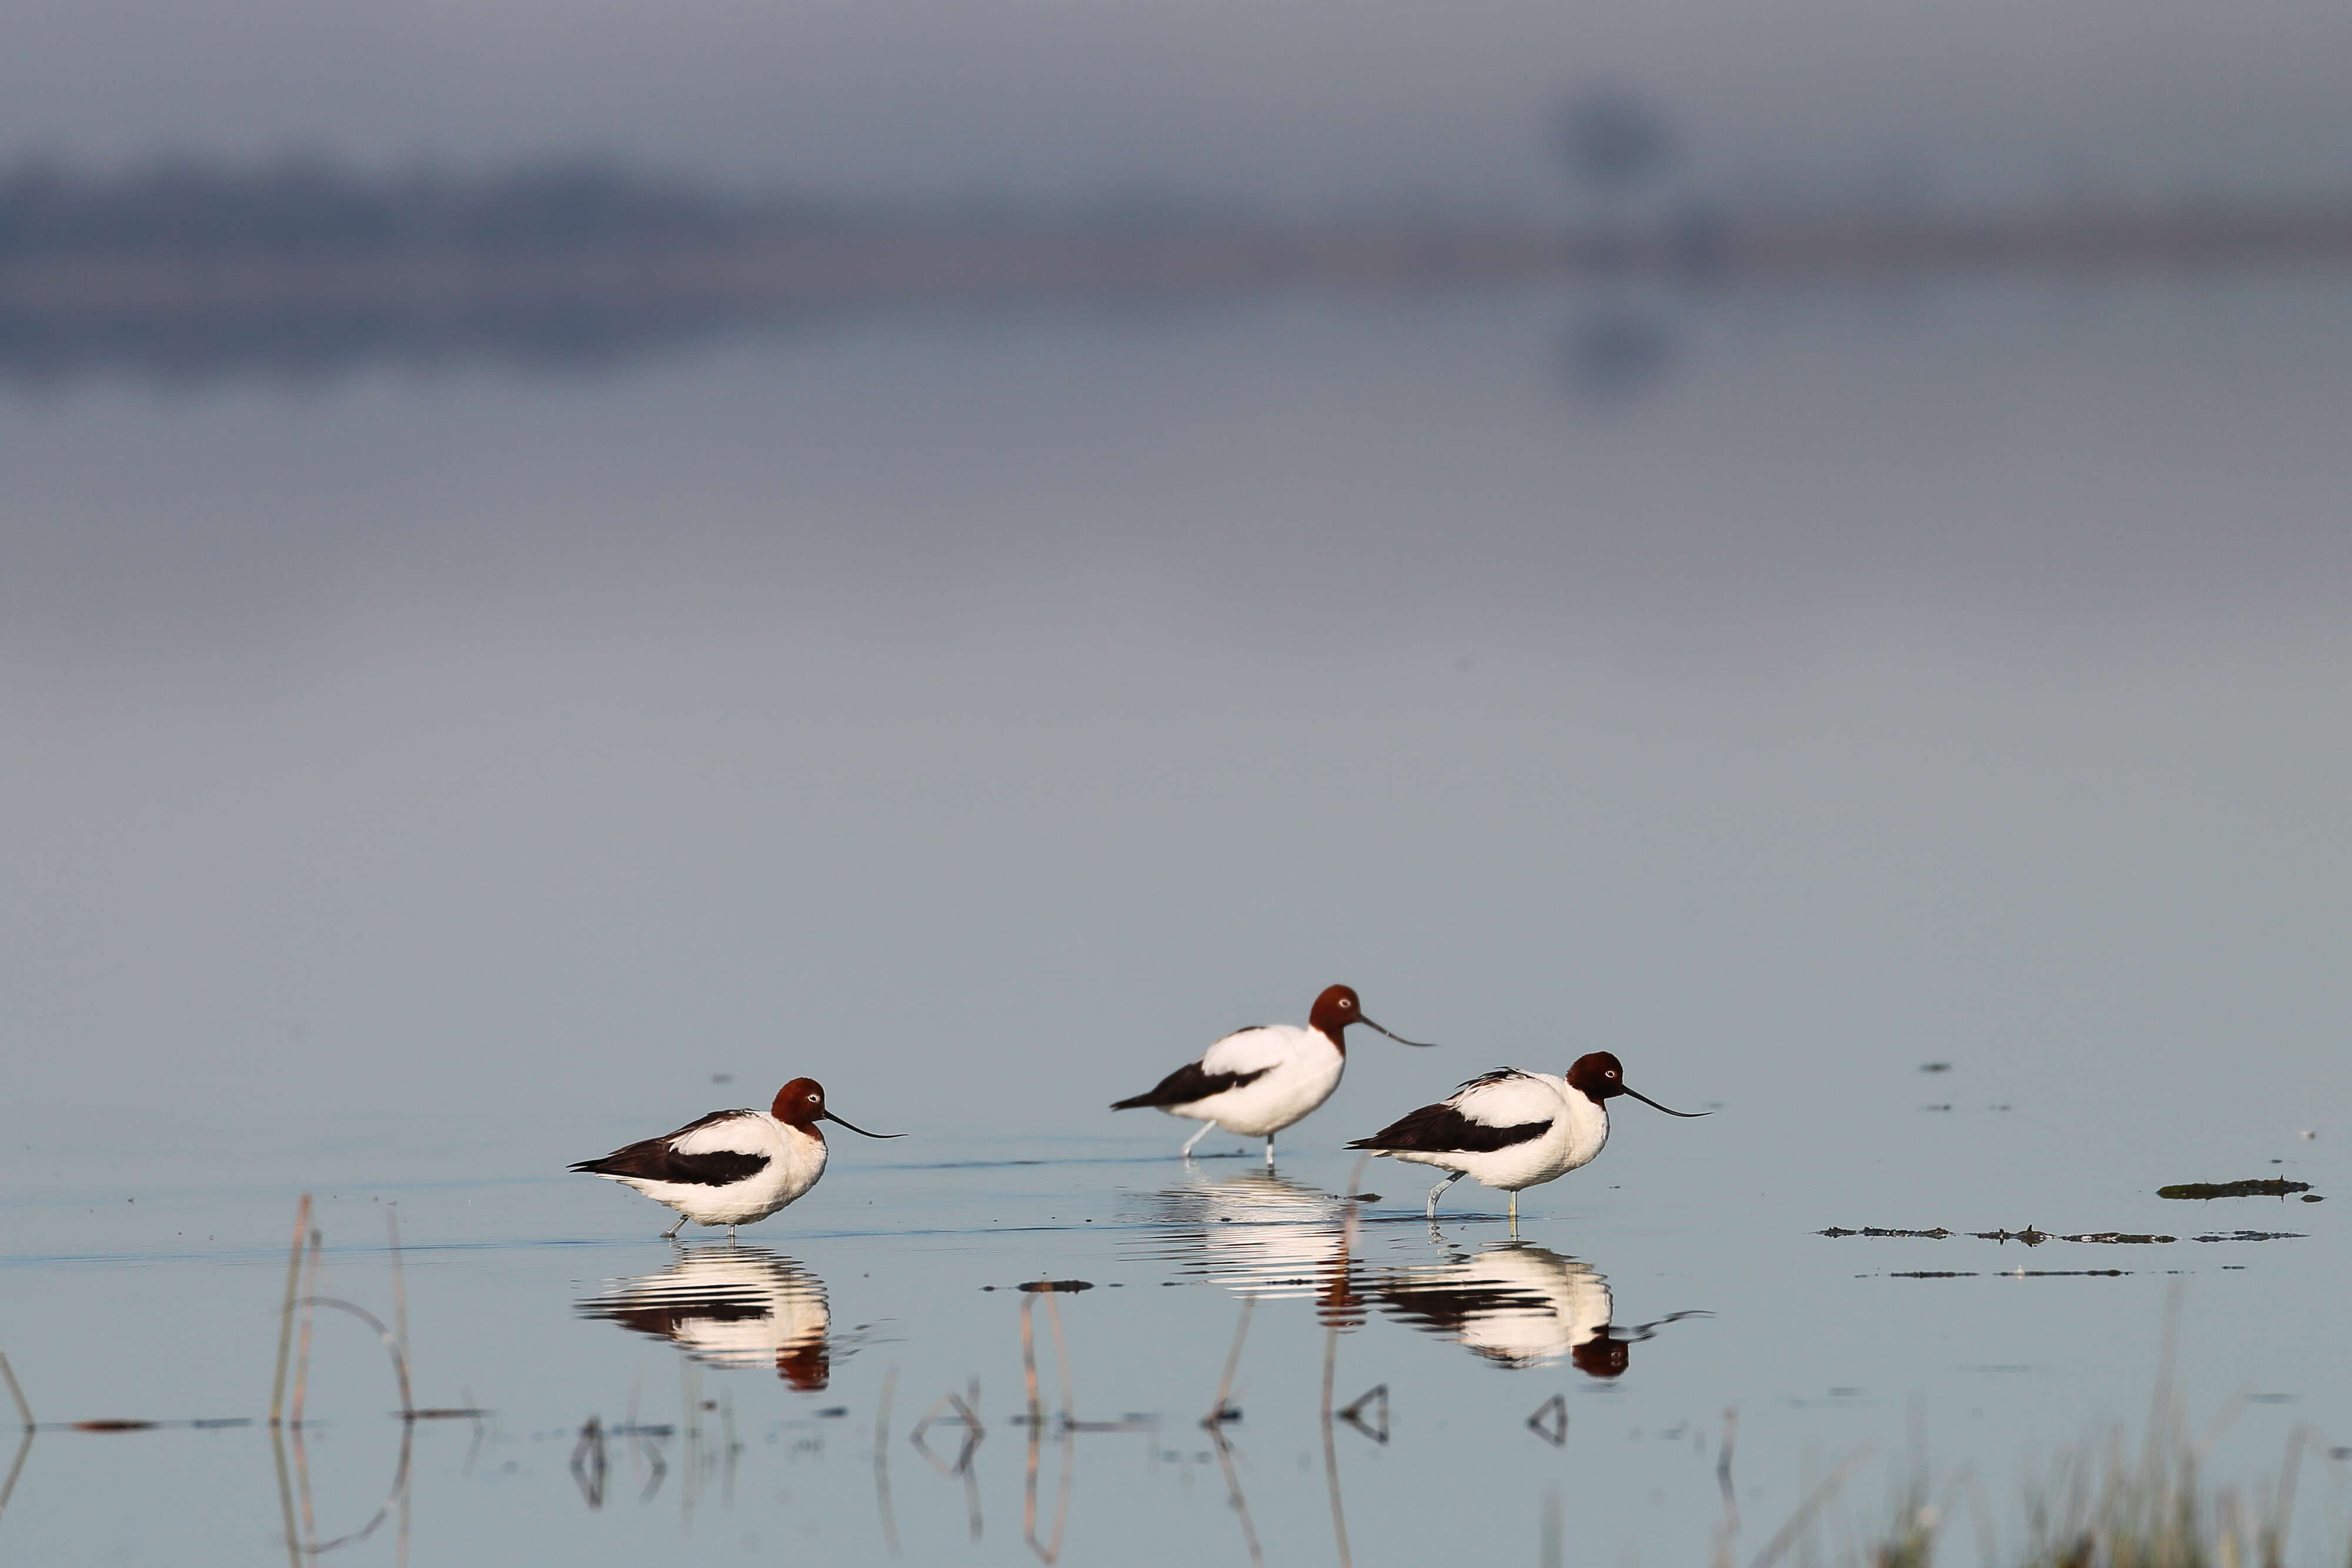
[[556, 549]]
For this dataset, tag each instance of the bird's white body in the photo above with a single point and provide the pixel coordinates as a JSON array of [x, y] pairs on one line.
[[1256, 1081], [795, 1157], [1577, 1131], [1301, 1067], [731, 1168]]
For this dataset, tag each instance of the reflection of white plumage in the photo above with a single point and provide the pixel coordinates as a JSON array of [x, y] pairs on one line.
[[1256, 1081], [1520, 1305], [730, 1306], [1259, 1235]]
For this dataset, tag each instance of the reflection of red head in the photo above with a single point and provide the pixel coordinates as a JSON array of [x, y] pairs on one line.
[[806, 1365], [1601, 1356]]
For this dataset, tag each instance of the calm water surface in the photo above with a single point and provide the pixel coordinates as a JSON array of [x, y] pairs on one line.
[[417, 782]]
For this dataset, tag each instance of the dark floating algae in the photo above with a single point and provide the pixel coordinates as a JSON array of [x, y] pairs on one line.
[[2034, 1237], [2264, 1186], [2011, 1274], [1936, 1234], [2031, 1236]]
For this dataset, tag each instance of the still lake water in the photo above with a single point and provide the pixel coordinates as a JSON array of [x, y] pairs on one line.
[[421, 778]]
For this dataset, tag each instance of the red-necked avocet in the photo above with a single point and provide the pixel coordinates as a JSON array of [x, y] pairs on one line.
[[731, 1168], [1513, 1130], [1256, 1081]]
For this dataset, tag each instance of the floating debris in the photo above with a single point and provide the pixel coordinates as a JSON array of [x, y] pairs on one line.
[[2314, 1197], [1935, 1067], [2067, 1274], [2252, 1235], [1060, 1287], [2008, 1274], [2265, 1187], [2031, 1236], [1936, 1234]]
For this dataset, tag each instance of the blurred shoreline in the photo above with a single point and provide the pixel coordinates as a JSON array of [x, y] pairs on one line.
[[192, 268]]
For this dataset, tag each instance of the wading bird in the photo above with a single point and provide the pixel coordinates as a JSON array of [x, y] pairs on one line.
[[1256, 1081], [731, 1168], [1513, 1130]]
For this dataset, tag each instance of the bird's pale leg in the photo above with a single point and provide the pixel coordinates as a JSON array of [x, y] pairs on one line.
[[671, 1234], [730, 1229], [1269, 1151], [1195, 1141], [1515, 1217], [1439, 1188]]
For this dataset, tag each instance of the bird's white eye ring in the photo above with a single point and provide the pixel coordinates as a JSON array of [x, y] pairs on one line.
[[812, 1099]]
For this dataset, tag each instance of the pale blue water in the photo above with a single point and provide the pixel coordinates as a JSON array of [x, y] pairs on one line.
[[416, 784]]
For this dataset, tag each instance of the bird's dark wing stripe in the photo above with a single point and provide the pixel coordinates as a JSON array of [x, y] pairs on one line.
[[671, 1320], [1454, 1307], [656, 1160], [1189, 1084], [1442, 1129]]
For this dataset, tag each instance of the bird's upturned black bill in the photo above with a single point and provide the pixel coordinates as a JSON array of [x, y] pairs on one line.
[[1400, 1040], [1645, 1100], [864, 1134]]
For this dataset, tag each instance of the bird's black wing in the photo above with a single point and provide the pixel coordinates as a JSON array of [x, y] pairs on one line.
[[1188, 1083], [656, 1159], [1442, 1129]]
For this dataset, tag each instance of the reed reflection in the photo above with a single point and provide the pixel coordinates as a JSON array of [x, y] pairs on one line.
[[1519, 1306], [730, 1306]]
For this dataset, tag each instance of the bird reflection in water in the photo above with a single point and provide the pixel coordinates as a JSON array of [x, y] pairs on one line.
[[1519, 1306], [730, 1306], [1259, 1235]]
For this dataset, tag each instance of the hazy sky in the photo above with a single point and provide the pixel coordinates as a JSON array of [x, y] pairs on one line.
[[1297, 100]]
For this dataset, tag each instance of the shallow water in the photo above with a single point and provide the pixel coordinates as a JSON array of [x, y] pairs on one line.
[[421, 782]]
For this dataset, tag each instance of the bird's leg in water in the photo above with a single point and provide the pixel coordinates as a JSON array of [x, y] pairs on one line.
[[1440, 1187]]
